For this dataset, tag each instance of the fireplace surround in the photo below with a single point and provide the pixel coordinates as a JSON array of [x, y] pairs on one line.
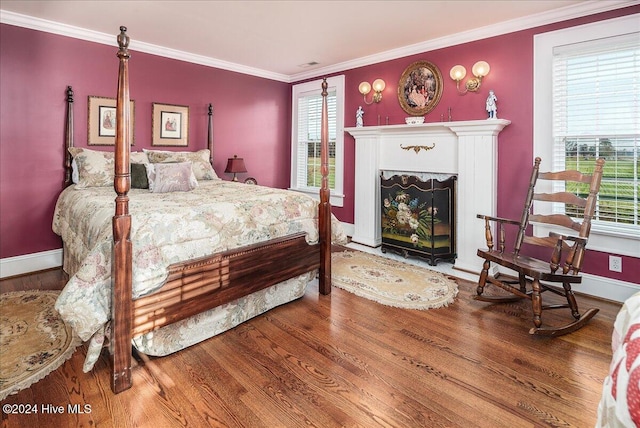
[[466, 149]]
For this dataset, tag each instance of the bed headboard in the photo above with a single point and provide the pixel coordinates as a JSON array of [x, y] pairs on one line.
[[68, 136]]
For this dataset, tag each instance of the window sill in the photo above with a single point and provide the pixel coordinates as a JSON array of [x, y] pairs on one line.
[[335, 200], [606, 241]]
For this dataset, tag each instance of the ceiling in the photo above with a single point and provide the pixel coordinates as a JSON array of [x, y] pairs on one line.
[[280, 38]]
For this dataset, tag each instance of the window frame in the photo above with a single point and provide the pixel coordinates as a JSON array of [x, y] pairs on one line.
[[336, 83], [602, 238]]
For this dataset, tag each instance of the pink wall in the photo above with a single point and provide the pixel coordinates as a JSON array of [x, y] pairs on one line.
[[251, 119]]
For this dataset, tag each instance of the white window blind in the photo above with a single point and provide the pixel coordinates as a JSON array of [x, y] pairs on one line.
[[309, 133], [596, 113]]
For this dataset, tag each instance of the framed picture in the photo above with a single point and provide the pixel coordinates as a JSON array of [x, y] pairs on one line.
[[170, 125], [101, 127], [420, 88]]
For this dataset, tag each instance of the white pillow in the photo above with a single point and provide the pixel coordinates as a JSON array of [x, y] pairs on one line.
[[75, 175]]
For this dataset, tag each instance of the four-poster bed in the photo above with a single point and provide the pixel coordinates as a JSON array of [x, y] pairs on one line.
[[257, 263]]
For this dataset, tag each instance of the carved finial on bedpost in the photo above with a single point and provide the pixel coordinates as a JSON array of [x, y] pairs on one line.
[[324, 209], [210, 133], [68, 137], [123, 40], [122, 182]]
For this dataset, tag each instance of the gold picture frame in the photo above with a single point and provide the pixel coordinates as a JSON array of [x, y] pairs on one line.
[[101, 122], [420, 88], [170, 125]]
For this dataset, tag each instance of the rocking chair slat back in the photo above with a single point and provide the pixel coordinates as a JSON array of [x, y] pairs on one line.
[[564, 197], [544, 241], [557, 219], [581, 208], [568, 175]]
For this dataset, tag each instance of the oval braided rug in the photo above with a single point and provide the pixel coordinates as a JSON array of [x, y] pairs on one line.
[[391, 282], [34, 341]]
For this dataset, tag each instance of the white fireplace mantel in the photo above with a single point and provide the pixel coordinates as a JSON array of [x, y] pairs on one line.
[[468, 149]]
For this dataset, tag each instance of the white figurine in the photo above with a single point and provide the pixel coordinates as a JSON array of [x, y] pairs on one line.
[[359, 114], [491, 106]]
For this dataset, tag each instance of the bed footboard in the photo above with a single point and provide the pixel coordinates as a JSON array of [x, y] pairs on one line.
[[197, 285]]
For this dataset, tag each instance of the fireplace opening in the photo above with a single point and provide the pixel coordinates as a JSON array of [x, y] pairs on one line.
[[418, 215]]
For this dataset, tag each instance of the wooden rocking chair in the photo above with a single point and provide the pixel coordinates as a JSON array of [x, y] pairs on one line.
[[531, 271]]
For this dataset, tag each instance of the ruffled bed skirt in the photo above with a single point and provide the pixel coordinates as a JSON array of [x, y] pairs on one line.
[[205, 325]]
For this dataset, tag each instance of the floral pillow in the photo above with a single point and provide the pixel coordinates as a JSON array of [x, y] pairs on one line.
[[92, 168], [138, 157], [200, 161], [171, 177]]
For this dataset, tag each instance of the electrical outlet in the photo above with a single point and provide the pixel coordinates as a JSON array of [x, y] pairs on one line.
[[615, 263]]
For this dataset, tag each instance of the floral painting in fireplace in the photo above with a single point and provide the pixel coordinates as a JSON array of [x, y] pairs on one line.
[[405, 217], [417, 217]]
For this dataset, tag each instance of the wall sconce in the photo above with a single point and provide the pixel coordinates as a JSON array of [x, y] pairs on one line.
[[235, 165], [480, 69], [378, 87]]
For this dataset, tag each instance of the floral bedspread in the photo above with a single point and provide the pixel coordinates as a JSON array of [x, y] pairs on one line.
[[166, 228]]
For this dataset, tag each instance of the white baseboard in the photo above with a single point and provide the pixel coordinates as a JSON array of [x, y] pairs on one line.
[[18, 265], [606, 288], [599, 286]]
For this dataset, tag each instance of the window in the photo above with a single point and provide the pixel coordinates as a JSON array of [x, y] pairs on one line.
[[305, 137], [587, 105]]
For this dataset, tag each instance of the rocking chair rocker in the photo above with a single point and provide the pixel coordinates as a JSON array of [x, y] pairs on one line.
[[531, 272]]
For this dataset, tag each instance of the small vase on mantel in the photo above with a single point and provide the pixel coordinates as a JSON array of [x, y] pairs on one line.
[[414, 120]]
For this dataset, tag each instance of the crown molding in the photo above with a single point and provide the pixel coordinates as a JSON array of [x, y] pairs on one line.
[[562, 14], [558, 15], [208, 61], [25, 21]]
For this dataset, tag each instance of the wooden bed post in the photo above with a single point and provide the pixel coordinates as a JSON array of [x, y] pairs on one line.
[[121, 264], [210, 133], [324, 208], [68, 138]]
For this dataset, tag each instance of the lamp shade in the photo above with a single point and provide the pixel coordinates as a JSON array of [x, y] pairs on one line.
[[235, 165], [481, 69], [458, 72], [378, 85], [364, 88]]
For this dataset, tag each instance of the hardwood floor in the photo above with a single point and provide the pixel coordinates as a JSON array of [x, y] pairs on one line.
[[343, 361]]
